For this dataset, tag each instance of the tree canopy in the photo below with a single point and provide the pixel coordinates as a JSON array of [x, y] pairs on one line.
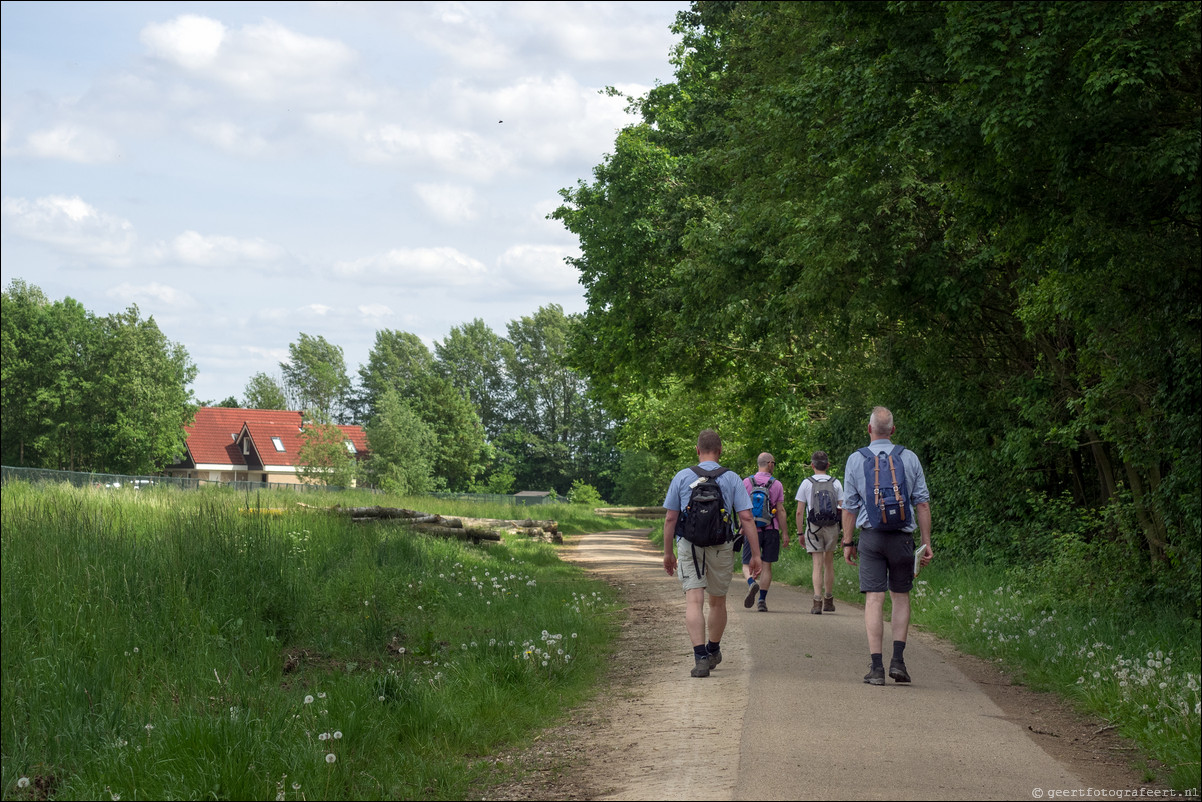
[[984, 216]]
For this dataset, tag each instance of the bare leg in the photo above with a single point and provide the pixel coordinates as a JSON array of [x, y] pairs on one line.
[[901, 615], [694, 616], [874, 620], [717, 622]]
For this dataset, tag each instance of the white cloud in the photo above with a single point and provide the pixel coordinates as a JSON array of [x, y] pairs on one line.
[[194, 248], [261, 61], [73, 143], [315, 309], [375, 311], [230, 137], [71, 224], [450, 203], [153, 294], [415, 268], [190, 41], [540, 267]]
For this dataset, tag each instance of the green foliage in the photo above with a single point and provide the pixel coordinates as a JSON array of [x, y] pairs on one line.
[[315, 376], [167, 641], [401, 363], [401, 445], [323, 457], [86, 393], [983, 216], [584, 494], [264, 392]]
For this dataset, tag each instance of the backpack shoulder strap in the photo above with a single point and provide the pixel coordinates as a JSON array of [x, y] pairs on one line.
[[708, 474]]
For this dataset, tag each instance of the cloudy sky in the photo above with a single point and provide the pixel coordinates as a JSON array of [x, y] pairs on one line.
[[248, 171]]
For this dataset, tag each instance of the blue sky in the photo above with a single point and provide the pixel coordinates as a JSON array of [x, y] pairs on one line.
[[247, 171]]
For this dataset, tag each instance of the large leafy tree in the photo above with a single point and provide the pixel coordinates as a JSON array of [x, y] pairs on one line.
[[401, 363], [557, 431], [402, 447], [472, 358], [140, 401], [983, 215], [87, 393], [315, 376], [264, 392]]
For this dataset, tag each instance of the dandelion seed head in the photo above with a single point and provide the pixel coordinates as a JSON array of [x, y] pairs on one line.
[[331, 757]]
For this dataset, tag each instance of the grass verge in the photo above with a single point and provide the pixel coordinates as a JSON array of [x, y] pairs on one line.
[[183, 644]]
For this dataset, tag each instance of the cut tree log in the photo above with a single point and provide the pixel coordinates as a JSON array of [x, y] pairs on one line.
[[444, 526]]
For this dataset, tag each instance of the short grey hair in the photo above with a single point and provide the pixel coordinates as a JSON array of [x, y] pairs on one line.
[[881, 421]]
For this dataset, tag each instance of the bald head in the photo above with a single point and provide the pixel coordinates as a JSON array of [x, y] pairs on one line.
[[880, 423], [765, 462]]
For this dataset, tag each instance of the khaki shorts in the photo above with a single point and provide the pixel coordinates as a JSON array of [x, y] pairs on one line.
[[823, 539], [708, 567]]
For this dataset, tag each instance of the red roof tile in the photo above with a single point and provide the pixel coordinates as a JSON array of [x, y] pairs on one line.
[[212, 436]]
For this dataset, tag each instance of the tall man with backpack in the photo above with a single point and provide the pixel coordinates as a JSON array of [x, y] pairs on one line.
[[702, 504], [888, 500], [771, 524], [819, 500]]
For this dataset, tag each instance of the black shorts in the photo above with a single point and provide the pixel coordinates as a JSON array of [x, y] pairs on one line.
[[886, 561], [769, 547]]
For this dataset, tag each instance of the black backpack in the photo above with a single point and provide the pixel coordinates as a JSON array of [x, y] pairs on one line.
[[824, 509], [889, 508], [705, 520]]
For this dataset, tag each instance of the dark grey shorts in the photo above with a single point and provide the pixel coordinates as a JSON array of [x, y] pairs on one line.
[[769, 547], [886, 561]]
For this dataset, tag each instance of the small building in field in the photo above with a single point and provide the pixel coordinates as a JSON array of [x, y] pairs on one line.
[[250, 445], [532, 497]]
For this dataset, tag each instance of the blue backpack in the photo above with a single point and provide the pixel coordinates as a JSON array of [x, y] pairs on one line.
[[761, 504], [886, 494]]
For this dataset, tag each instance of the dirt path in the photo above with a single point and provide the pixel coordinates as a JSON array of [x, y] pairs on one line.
[[787, 716]]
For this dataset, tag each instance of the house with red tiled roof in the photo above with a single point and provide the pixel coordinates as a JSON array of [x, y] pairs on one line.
[[250, 445]]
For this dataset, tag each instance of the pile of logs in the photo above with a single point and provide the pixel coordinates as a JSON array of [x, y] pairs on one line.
[[474, 529]]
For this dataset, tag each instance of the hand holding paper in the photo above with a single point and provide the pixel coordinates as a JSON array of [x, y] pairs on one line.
[[918, 552]]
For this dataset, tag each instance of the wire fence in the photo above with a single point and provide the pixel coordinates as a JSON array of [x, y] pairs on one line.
[[115, 481]]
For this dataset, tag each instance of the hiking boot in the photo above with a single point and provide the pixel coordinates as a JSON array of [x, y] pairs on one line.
[[897, 671], [752, 591], [817, 608], [875, 675], [761, 606], [828, 604], [715, 658], [702, 668]]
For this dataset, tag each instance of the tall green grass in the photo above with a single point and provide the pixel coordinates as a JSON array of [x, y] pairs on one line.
[[182, 644], [1138, 668]]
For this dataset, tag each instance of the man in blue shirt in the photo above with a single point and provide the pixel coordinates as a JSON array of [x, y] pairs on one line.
[[707, 570], [886, 558]]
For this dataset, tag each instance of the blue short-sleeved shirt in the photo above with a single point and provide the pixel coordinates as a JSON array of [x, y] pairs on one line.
[[733, 492], [854, 490]]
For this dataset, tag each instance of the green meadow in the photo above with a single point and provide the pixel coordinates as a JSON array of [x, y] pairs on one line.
[[164, 644]]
